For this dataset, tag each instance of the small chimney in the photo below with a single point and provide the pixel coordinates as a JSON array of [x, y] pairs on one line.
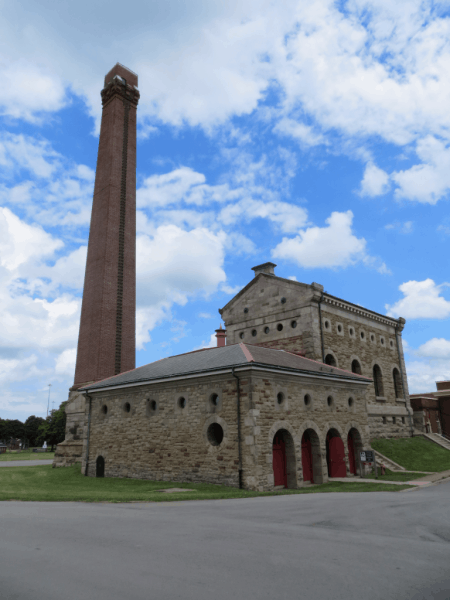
[[221, 335], [268, 268]]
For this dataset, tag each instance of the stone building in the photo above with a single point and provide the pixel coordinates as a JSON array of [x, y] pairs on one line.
[[238, 415], [280, 313]]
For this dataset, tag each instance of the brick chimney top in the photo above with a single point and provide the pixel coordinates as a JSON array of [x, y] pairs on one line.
[[268, 268], [118, 69], [221, 335]]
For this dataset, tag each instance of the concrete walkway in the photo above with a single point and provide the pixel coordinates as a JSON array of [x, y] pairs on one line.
[[427, 480], [25, 463]]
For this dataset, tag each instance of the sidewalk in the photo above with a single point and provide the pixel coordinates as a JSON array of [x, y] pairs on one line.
[[427, 480], [25, 463]]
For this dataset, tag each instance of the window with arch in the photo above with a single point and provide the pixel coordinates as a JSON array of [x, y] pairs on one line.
[[356, 367], [330, 360], [398, 387], [378, 381]]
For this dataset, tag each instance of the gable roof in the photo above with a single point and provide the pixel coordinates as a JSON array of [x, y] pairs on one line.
[[210, 360]]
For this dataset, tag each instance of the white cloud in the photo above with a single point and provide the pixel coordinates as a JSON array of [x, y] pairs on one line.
[[317, 247], [21, 152], [305, 134], [422, 300], [375, 181], [172, 266], [288, 217], [429, 181], [435, 348], [65, 363]]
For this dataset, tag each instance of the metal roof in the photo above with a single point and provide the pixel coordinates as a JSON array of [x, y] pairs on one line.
[[217, 359]]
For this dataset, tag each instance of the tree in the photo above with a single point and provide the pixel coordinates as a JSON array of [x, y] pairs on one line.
[[31, 427], [11, 428], [53, 429]]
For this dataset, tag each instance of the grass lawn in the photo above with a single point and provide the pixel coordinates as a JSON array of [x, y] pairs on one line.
[[14, 455], [43, 483], [396, 476], [416, 454]]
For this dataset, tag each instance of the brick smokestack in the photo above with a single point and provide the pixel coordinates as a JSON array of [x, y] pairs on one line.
[[221, 335], [107, 338]]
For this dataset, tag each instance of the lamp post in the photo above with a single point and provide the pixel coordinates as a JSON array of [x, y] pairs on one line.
[[48, 403]]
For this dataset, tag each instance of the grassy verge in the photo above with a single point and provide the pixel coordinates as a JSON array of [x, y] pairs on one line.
[[416, 454], [43, 483], [15, 455], [396, 476]]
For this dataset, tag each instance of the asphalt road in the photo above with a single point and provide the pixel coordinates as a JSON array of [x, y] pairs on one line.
[[365, 546]]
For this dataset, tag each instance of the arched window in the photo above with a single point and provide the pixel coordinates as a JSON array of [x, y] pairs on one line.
[[356, 367], [330, 360], [398, 387], [378, 381]]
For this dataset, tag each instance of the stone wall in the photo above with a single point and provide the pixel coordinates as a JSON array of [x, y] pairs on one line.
[[70, 450], [146, 434]]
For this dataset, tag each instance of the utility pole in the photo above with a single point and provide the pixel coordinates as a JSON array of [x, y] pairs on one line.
[[48, 403]]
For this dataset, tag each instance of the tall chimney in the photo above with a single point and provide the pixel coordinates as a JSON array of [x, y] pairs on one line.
[[107, 338], [221, 335], [268, 268]]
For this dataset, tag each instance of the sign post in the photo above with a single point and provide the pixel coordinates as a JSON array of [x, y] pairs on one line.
[[368, 456]]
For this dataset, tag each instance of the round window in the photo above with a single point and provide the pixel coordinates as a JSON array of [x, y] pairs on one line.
[[352, 331], [266, 330], [153, 405], [280, 327], [246, 310], [280, 397], [339, 328], [104, 409], [182, 402], [254, 332], [327, 324], [382, 341], [283, 300], [214, 399], [362, 335], [127, 407], [293, 324], [214, 434], [350, 402], [307, 400], [241, 335], [372, 338], [330, 401], [391, 343]]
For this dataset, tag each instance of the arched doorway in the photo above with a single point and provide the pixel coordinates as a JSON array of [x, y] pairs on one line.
[[284, 464], [311, 457], [330, 360], [100, 467], [354, 445], [335, 455]]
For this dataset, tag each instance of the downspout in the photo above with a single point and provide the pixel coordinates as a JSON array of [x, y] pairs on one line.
[[88, 433], [321, 326], [403, 381], [238, 426]]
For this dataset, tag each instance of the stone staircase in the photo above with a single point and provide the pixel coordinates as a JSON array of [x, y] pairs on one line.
[[387, 462], [438, 439]]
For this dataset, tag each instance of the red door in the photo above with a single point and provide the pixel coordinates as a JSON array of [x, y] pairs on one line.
[[351, 454], [307, 459], [337, 457], [279, 462]]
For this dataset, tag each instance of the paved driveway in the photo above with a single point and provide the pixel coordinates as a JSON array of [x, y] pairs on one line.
[[365, 546]]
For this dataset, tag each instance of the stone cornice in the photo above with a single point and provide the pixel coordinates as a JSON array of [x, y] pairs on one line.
[[116, 87], [364, 312]]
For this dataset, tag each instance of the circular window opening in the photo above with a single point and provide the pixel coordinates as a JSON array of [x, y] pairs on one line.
[[246, 310], [280, 397], [352, 331], [104, 409], [280, 327], [214, 434], [214, 399], [330, 401], [372, 338], [283, 300], [254, 332], [391, 343], [266, 330], [382, 341], [362, 335], [153, 405], [127, 407], [241, 335], [293, 324], [182, 402], [339, 328], [327, 324], [350, 402], [307, 400]]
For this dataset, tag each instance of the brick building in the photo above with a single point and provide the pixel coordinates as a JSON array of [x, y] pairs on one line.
[[432, 410]]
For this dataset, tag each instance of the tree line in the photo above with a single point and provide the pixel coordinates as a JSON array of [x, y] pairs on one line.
[[36, 430]]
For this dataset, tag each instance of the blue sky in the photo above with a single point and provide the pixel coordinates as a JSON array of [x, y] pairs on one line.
[[315, 135]]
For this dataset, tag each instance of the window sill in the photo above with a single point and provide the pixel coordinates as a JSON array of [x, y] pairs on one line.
[[380, 398], [400, 400]]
